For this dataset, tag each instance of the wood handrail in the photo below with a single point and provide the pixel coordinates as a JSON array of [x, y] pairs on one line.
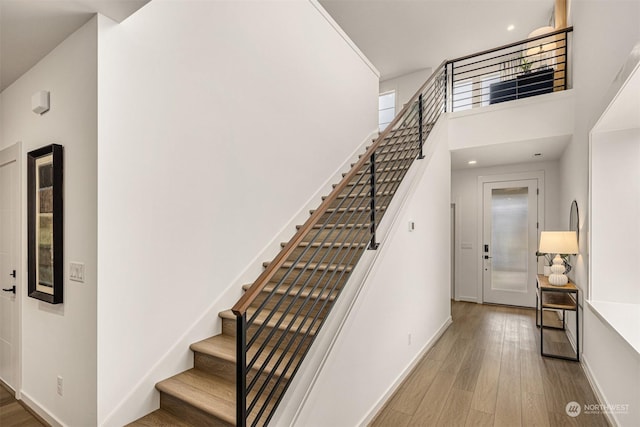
[[240, 308], [507, 46]]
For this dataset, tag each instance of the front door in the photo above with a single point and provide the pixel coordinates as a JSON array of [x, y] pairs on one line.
[[510, 217], [9, 248]]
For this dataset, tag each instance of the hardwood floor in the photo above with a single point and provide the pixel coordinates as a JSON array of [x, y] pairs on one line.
[[13, 414], [486, 370]]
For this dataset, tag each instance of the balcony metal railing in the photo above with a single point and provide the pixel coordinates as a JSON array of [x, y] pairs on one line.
[[518, 70]]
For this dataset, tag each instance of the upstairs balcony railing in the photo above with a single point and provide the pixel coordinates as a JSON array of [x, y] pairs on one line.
[[518, 70], [279, 316]]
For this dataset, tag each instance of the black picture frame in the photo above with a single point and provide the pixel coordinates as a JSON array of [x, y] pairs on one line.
[[45, 223]]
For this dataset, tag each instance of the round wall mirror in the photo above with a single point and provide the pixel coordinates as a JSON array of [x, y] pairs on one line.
[[574, 219]]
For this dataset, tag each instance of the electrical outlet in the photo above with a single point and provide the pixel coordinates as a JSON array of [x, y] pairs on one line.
[[59, 383], [412, 226], [76, 272]]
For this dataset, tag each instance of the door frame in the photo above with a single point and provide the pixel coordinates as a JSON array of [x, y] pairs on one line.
[[9, 154], [482, 179]]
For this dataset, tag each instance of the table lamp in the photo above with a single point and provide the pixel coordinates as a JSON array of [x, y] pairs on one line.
[[558, 242]]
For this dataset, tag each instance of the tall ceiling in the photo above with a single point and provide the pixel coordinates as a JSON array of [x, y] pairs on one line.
[[398, 36], [401, 36], [29, 29]]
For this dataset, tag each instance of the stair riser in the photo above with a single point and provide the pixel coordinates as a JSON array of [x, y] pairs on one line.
[[290, 300], [393, 158], [362, 215], [339, 234], [389, 185], [227, 369], [189, 413], [229, 328], [309, 277], [338, 255], [405, 149]]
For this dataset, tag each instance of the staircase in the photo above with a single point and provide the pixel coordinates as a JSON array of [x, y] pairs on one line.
[[240, 375], [271, 328]]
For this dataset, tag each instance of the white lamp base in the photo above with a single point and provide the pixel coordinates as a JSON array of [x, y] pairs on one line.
[[557, 276]]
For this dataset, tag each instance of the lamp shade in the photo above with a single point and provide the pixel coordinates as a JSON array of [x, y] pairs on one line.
[[542, 45], [558, 242]]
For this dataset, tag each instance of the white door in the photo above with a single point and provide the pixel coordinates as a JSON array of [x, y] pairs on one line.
[[9, 259], [510, 237]]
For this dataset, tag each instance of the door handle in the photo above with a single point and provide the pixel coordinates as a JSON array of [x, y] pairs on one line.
[[13, 274], [11, 289], [487, 257]]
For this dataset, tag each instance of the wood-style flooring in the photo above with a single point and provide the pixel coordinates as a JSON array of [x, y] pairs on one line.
[[486, 370], [12, 413]]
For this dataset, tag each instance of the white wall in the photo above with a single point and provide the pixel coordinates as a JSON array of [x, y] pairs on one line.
[[61, 339], [615, 198], [605, 33], [405, 86], [535, 118], [218, 121], [405, 292], [464, 193]]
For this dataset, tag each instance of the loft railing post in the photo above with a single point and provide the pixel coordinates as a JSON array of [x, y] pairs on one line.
[[446, 86], [452, 84], [373, 245], [241, 370], [566, 59], [421, 156]]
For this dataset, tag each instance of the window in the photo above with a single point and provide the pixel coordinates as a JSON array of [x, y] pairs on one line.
[[386, 109], [463, 95]]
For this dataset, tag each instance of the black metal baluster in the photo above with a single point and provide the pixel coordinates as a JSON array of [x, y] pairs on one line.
[[241, 370], [373, 244], [421, 139]]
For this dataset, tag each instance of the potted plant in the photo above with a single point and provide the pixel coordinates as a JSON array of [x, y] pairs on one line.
[[526, 65]]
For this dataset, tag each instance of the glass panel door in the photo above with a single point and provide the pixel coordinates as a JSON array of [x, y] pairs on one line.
[[510, 215]]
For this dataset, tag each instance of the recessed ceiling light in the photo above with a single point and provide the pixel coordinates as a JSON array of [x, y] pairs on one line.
[[472, 162], [511, 27]]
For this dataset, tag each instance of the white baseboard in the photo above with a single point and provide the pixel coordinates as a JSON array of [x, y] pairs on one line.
[[42, 412], [392, 389], [611, 417]]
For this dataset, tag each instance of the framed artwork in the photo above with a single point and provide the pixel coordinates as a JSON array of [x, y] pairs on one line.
[[45, 223]]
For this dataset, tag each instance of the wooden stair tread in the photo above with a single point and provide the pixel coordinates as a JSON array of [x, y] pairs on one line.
[[312, 266], [361, 195], [390, 149], [332, 226], [315, 294], [351, 209], [378, 181], [209, 393], [385, 169], [335, 245], [159, 418], [288, 318], [224, 347]]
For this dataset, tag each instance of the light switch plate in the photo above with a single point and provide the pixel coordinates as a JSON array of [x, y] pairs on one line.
[[76, 272]]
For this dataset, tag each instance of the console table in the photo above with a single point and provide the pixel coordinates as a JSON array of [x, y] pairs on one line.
[[550, 297]]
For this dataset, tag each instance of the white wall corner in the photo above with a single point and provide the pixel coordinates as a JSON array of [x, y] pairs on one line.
[[344, 35]]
